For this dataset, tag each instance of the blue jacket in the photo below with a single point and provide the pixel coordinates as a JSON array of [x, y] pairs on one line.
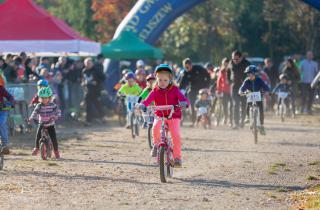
[[254, 86]]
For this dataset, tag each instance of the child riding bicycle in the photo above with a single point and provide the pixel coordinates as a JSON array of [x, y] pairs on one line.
[[40, 84], [254, 83], [46, 113], [130, 88], [145, 93], [166, 93], [203, 101], [3, 118], [283, 86]]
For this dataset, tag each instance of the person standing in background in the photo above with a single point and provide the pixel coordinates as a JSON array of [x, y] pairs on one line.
[[309, 70], [236, 76]]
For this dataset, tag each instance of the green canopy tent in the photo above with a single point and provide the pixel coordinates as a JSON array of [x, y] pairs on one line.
[[129, 46]]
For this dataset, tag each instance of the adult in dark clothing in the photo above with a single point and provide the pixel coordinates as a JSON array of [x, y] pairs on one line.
[[194, 78], [74, 77], [29, 74], [293, 74], [61, 66], [92, 79], [236, 76], [272, 73], [11, 72]]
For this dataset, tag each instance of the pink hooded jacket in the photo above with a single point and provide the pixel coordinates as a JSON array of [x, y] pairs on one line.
[[169, 96]]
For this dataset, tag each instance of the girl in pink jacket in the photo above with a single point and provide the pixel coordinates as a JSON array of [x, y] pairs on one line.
[[165, 93]]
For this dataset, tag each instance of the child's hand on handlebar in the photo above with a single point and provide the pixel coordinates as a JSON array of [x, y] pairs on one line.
[[141, 107]]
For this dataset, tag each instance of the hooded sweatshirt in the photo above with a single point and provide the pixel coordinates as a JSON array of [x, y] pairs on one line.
[[169, 96]]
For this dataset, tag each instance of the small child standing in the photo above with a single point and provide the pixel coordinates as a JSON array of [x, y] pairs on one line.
[[46, 113]]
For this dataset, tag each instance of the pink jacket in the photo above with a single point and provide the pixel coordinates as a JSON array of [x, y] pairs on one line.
[[169, 96]]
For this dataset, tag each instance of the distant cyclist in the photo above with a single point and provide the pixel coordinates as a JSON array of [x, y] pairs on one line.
[[254, 83]]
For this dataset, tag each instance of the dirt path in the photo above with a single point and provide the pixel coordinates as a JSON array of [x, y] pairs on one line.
[[103, 168]]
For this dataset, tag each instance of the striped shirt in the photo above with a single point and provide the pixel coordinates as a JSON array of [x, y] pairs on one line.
[[46, 113]]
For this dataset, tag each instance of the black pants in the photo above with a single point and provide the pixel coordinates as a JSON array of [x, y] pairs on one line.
[[193, 97], [260, 105], [239, 107], [307, 94], [227, 107], [93, 106], [52, 134]]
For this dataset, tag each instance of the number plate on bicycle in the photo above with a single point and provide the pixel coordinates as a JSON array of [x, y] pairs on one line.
[[254, 97], [132, 99], [282, 94], [203, 110]]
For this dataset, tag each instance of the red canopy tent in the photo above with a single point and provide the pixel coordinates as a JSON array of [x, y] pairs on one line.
[[24, 26]]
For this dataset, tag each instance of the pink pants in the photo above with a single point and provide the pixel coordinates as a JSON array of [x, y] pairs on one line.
[[174, 128]]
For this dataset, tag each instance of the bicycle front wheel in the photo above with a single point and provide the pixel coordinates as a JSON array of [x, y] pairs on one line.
[[255, 128], [132, 125], [165, 169], [43, 150], [150, 140]]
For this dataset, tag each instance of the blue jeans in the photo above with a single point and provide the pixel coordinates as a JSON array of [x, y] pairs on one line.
[[4, 127]]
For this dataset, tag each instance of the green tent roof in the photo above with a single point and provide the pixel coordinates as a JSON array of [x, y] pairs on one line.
[[129, 46]]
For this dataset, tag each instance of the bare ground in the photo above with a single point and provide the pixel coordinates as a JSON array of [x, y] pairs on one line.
[[103, 168]]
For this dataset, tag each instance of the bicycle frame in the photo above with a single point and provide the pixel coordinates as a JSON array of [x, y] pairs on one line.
[[165, 140]]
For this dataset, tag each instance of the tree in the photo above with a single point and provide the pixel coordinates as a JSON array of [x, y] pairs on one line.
[[108, 14], [78, 14]]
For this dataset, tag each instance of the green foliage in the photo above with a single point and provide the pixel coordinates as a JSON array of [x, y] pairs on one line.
[[264, 28], [77, 14]]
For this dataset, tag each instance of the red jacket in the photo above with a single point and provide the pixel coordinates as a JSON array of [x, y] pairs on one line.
[[223, 85], [170, 96], [142, 84]]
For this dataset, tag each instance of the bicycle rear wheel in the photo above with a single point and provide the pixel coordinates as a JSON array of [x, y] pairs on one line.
[[150, 140], [165, 169], [1, 161]]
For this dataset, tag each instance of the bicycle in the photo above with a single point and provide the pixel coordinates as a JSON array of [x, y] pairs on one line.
[[203, 113], [254, 113], [122, 110], [46, 147], [218, 109], [149, 117], [282, 108], [132, 112], [165, 147]]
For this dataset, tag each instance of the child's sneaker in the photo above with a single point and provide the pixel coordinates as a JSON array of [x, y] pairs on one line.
[[35, 151], [154, 151], [262, 131], [57, 154], [177, 163]]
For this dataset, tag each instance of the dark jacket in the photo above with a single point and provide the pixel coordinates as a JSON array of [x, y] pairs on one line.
[[236, 74], [5, 94], [272, 74], [254, 86], [91, 76], [197, 79], [293, 75]]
